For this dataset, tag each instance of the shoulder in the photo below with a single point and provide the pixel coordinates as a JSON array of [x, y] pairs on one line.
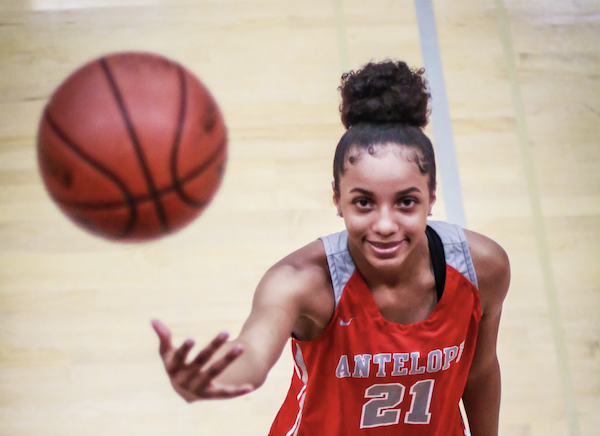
[[300, 274], [492, 267], [308, 263], [487, 253], [300, 287]]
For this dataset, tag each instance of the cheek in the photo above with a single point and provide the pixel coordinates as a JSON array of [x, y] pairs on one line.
[[415, 224], [412, 224], [357, 224]]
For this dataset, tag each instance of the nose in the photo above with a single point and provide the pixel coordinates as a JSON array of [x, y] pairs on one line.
[[385, 223]]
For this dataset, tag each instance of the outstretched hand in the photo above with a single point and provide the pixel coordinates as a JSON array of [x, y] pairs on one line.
[[194, 380]]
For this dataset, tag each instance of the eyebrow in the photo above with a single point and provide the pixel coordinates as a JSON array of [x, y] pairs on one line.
[[397, 194]]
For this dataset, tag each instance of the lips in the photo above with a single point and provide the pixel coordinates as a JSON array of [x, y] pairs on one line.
[[385, 247]]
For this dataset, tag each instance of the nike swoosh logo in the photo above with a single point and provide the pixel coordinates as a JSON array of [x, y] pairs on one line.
[[344, 323]]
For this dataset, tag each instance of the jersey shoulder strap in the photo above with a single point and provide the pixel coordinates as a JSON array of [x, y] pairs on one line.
[[456, 249], [341, 265]]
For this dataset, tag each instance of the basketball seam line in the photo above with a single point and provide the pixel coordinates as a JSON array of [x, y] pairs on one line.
[[177, 142], [136, 144], [136, 199], [130, 199], [177, 183], [178, 134]]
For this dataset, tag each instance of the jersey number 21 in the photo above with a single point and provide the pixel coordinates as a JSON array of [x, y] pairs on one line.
[[379, 410]]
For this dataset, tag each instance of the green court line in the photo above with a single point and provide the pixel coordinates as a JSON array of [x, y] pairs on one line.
[[342, 36], [538, 221]]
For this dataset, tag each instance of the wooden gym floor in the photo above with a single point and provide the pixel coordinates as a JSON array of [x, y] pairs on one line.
[[77, 354]]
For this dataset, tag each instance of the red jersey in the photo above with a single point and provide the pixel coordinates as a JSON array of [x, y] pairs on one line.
[[364, 375]]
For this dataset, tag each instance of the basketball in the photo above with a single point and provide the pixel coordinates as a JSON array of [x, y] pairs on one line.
[[132, 146]]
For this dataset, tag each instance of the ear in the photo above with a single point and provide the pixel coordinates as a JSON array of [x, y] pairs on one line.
[[336, 200], [432, 198]]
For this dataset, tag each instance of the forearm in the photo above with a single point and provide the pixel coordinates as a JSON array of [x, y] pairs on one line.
[[248, 368], [262, 339], [481, 399]]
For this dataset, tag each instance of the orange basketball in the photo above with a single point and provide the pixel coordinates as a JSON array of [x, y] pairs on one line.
[[132, 146]]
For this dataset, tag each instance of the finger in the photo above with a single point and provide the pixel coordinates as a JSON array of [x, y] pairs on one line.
[[223, 392], [177, 362], [164, 336], [205, 354], [215, 369]]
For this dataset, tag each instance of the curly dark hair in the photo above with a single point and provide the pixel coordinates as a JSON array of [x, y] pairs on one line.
[[382, 103], [385, 92]]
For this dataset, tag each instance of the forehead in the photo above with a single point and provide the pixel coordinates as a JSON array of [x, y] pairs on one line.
[[383, 165], [355, 152]]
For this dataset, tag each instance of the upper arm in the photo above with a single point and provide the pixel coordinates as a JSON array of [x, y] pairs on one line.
[[285, 294], [493, 275], [276, 306]]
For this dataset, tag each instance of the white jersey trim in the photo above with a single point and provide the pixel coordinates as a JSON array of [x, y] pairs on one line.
[[302, 373]]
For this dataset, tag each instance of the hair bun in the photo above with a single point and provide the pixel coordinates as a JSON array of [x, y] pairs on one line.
[[385, 92]]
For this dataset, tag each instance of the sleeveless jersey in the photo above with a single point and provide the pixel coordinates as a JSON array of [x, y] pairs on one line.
[[364, 375]]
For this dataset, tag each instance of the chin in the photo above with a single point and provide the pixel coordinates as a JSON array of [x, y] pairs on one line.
[[386, 263]]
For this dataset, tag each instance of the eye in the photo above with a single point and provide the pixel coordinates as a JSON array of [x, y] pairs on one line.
[[363, 202], [408, 202]]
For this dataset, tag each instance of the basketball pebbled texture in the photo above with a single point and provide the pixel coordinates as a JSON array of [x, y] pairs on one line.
[[132, 146]]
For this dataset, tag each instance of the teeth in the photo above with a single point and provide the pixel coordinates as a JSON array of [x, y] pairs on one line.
[[384, 245]]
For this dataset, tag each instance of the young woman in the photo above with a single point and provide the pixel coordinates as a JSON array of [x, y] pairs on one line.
[[393, 320]]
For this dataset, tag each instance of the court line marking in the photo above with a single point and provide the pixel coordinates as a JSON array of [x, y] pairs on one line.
[[440, 114], [442, 125], [538, 221]]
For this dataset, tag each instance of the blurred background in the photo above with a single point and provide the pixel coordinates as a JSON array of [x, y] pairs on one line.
[[522, 78]]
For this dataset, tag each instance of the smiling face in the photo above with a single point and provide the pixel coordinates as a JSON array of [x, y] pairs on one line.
[[384, 200]]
